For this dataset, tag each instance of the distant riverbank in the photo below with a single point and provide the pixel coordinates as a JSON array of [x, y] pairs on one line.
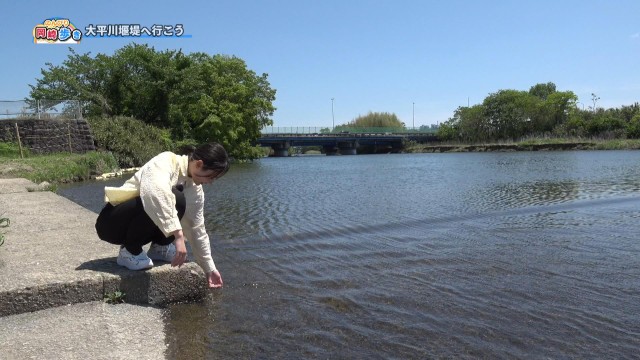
[[529, 145]]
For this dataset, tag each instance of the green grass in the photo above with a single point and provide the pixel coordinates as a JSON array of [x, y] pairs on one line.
[[618, 144], [597, 144], [589, 143], [11, 150], [55, 168], [547, 141], [116, 297]]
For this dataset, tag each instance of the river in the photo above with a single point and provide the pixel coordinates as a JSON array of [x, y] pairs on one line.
[[466, 255]]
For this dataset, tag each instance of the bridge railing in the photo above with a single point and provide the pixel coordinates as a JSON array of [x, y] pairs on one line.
[[346, 130]]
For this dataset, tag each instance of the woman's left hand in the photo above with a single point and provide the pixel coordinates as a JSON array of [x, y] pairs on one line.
[[214, 279]]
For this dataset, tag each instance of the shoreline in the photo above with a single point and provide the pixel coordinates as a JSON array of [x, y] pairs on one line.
[[530, 145], [504, 147]]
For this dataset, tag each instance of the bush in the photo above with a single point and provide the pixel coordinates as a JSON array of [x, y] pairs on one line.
[[98, 163], [633, 128], [605, 125], [131, 141]]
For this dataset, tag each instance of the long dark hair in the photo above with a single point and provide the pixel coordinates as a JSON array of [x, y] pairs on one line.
[[213, 156]]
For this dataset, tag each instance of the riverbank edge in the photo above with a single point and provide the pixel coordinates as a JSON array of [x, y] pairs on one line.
[[502, 147]]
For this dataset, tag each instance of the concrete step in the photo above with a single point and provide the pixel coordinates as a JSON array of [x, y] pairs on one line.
[[53, 257]]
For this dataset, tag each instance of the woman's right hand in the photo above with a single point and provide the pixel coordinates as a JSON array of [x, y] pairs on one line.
[[214, 279], [181, 249]]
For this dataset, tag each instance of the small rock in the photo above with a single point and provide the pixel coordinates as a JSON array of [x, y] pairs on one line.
[[43, 186]]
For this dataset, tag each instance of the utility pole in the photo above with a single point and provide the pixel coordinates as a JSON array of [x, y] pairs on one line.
[[333, 119], [414, 116]]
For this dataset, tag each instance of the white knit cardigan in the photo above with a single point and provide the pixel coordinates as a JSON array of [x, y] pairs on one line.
[[153, 183]]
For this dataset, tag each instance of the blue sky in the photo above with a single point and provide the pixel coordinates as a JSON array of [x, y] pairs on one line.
[[377, 55]]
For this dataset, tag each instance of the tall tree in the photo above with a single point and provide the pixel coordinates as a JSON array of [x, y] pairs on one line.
[[470, 123], [380, 120], [222, 100], [508, 113], [198, 96]]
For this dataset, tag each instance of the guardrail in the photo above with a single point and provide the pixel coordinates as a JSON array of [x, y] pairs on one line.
[[40, 109], [346, 130]]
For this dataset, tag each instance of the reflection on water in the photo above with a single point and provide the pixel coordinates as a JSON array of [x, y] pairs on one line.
[[491, 255]]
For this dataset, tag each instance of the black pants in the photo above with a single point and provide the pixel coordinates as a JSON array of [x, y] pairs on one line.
[[129, 225]]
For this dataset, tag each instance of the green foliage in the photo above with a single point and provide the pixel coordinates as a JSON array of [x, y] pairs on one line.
[[467, 124], [512, 114], [543, 91], [179, 146], [196, 96], [12, 150], [116, 297], [131, 141], [448, 131], [633, 127], [98, 162], [574, 126], [605, 124], [507, 114], [374, 120], [223, 101], [627, 113]]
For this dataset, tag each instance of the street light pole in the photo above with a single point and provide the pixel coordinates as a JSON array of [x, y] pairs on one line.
[[333, 119], [414, 116]]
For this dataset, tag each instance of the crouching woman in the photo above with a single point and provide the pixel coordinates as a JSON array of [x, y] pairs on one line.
[[162, 204]]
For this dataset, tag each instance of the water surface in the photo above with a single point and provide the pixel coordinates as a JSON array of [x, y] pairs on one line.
[[490, 255]]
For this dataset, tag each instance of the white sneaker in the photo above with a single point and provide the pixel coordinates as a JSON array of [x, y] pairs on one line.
[[134, 262], [162, 253]]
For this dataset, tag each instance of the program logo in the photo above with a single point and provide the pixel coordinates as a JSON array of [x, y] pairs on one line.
[[56, 30]]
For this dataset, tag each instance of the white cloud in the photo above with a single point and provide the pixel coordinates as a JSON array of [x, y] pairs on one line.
[[635, 36]]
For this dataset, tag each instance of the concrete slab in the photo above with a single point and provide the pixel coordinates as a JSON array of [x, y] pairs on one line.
[[52, 257], [27, 211], [94, 330], [8, 186]]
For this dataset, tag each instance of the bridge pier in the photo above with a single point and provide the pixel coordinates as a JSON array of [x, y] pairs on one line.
[[281, 149], [348, 147], [330, 149]]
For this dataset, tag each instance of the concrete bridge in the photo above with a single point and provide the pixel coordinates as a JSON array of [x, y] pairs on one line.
[[343, 143]]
